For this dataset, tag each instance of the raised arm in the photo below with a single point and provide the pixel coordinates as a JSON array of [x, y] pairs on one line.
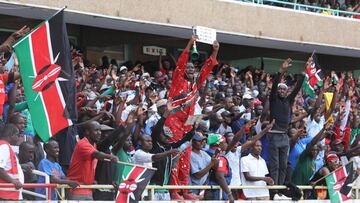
[[209, 64], [239, 135], [295, 91], [257, 137], [333, 102]]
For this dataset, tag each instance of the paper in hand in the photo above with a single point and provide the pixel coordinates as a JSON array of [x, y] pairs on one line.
[[194, 119]]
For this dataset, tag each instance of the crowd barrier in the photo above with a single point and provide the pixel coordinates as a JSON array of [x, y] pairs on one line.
[[152, 188]]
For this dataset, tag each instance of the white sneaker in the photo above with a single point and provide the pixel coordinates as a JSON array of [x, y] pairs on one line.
[[281, 197]]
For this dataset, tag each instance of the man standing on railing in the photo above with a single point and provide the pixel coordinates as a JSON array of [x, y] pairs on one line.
[[10, 170], [280, 110]]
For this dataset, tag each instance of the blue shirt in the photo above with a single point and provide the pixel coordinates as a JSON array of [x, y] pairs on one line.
[[296, 151], [52, 169]]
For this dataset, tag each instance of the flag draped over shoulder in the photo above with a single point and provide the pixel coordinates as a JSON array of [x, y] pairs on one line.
[[48, 76], [134, 180], [339, 183], [313, 77]]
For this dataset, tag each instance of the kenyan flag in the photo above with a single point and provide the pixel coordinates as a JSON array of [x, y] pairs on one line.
[[313, 77], [339, 183], [48, 76], [135, 179]]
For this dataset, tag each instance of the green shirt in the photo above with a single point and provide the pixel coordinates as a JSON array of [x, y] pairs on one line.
[[304, 170], [119, 168]]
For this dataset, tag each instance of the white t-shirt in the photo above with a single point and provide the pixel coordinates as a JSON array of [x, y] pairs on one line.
[[313, 128], [234, 163], [143, 158], [255, 167], [5, 163]]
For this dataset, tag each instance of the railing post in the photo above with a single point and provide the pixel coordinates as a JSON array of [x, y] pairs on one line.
[[63, 192], [220, 194], [152, 193]]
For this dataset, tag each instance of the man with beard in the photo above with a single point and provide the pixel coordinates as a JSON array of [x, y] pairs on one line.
[[280, 110], [184, 92]]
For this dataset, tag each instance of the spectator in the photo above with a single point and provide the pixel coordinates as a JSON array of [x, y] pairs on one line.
[[104, 169], [160, 138], [10, 169], [233, 152], [26, 158], [51, 167], [84, 160], [280, 107], [200, 162], [254, 171], [221, 175]]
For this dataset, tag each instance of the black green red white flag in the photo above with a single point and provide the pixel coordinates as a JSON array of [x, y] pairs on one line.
[[48, 76], [339, 183], [313, 77], [134, 180]]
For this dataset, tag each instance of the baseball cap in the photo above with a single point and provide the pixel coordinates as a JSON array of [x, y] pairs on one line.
[[198, 136], [247, 96], [215, 139]]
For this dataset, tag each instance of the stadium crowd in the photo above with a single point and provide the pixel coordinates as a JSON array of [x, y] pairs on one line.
[[197, 122], [316, 6]]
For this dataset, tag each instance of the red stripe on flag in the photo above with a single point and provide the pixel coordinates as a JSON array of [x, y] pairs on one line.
[[341, 175], [53, 105], [124, 193]]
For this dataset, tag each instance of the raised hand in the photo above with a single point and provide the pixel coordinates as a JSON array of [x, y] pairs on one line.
[[251, 123], [216, 45], [21, 32], [286, 64]]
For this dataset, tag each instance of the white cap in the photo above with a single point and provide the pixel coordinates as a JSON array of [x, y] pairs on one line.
[[123, 68], [247, 96], [282, 84]]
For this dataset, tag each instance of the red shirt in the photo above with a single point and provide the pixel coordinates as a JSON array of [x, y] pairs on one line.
[[223, 165], [3, 79], [82, 165]]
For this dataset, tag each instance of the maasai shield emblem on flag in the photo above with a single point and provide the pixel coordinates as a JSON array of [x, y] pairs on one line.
[[313, 77], [135, 179], [48, 76], [339, 183]]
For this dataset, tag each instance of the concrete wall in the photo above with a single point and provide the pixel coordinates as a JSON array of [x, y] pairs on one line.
[[227, 16]]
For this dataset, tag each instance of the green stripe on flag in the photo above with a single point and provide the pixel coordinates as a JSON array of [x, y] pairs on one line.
[[307, 89], [126, 172], [36, 107], [334, 196]]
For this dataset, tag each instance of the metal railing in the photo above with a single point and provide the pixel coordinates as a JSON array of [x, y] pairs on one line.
[[302, 7], [153, 188]]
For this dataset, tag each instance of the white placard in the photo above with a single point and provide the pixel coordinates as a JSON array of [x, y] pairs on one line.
[[194, 119], [205, 35], [154, 50]]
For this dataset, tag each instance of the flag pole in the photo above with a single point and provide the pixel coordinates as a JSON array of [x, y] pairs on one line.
[[350, 162], [57, 12], [131, 164]]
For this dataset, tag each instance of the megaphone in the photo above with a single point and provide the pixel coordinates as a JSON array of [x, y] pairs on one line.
[[194, 53]]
